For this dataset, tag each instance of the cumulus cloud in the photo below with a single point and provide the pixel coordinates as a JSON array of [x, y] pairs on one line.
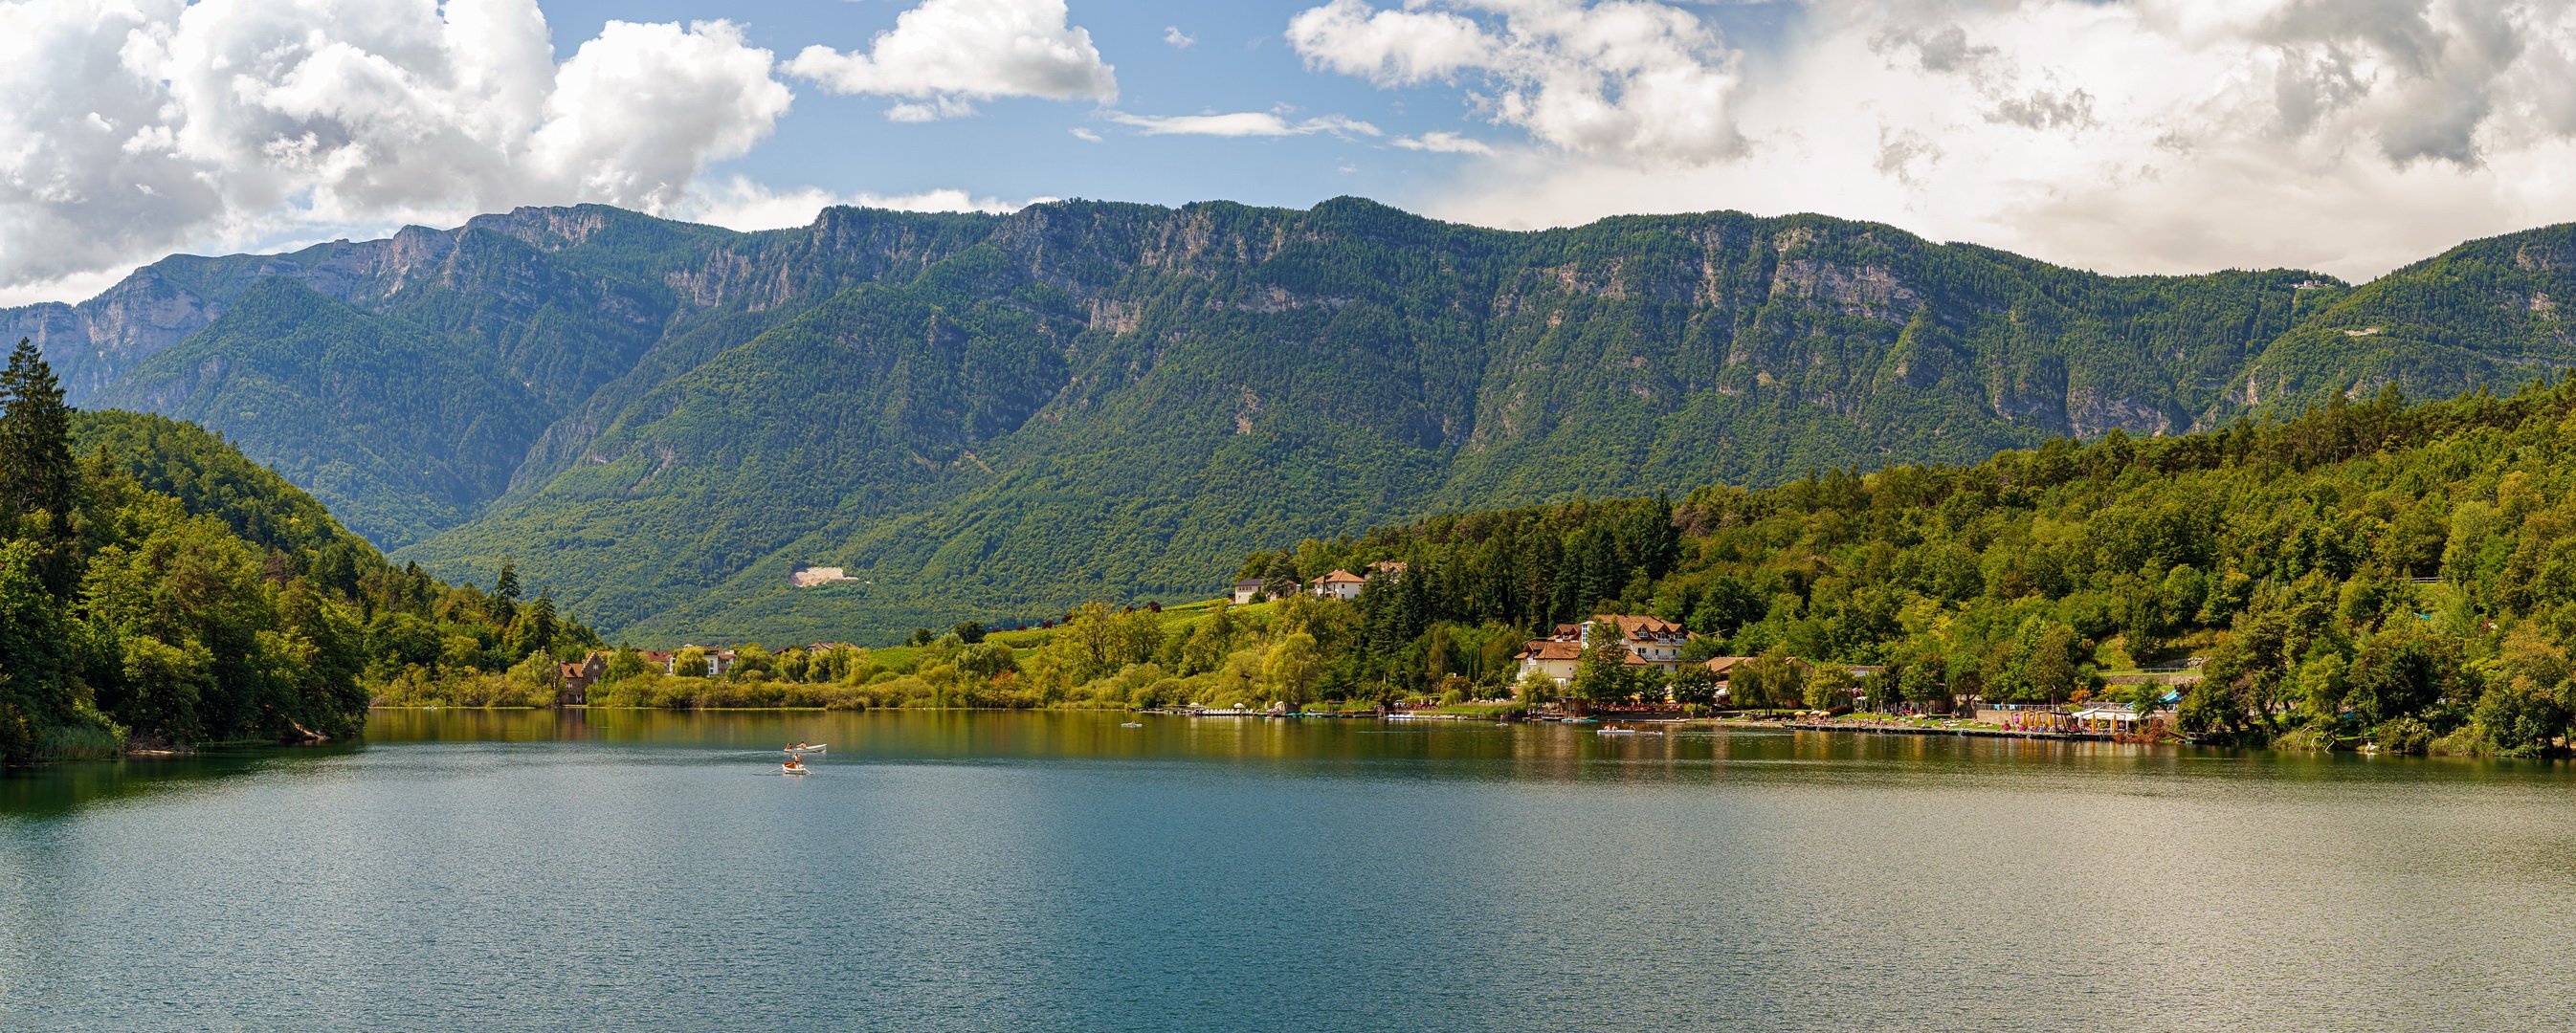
[[2148, 135], [1173, 35], [1243, 123], [1626, 78], [739, 203], [947, 54], [1442, 142], [140, 126]]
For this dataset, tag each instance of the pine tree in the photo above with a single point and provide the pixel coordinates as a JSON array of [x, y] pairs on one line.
[[36, 470], [35, 438], [505, 593]]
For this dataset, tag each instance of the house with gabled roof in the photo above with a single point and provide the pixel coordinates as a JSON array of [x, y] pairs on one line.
[[1650, 642], [1340, 584]]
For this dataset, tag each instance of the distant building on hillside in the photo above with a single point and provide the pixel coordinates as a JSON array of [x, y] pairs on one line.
[[668, 660], [1340, 584], [573, 688], [1390, 568], [803, 576], [1550, 658], [1650, 642], [1245, 590]]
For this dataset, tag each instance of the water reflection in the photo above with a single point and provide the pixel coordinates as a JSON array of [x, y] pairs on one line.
[[959, 870], [56, 789]]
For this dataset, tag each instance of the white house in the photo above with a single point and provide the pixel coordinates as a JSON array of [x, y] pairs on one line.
[[1245, 590], [1650, 641], [803, 576], [1340, 584], [1553, 659]]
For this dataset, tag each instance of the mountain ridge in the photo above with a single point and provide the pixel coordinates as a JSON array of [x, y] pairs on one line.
[[937, 402]]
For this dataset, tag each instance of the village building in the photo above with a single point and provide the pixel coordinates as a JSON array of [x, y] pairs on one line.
[[803, 576], [572, 688], [1548, 658], [668, 660], [1340, 584], [1390, 568], [1245, 590], [1650, 641]]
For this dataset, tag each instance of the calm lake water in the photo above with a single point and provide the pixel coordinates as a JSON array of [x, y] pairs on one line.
[[976, 871]]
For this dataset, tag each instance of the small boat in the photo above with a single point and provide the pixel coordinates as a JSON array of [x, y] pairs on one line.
[[816, 748], [1133, 724], [1615, 731], [793, 769]]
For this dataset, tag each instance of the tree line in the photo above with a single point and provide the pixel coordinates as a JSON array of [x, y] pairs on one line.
[[157, 588]]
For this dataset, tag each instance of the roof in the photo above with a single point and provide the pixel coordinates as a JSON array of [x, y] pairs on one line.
[[1635, 626], [1388, 566], [1550, 649], [1630, 626], [1727, 664], [571, 670], [1341, 577], [659, 656], [1249, 583]]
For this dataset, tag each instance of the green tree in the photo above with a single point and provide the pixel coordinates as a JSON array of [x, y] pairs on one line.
[[624, 664], [36, 469], [505, 593], [1830, 688], [1602, 673], [1290, 669]]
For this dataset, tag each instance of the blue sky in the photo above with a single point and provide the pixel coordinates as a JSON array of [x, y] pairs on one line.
[[1020, 148], [2127, 136], [1023, 147]]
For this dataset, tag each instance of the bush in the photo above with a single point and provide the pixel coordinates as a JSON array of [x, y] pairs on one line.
[[2404, 735]]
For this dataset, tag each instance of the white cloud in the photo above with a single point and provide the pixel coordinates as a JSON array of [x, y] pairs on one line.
[[1391, 47], [1243, 123], [1625, 78], [742, 204], [946, 54], [1084, 135], [1442, 142], [2152, 135], [141, 126], [1173, 35], [638, 111]]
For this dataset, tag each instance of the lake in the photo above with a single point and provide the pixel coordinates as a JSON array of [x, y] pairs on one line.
[[1011, 871]]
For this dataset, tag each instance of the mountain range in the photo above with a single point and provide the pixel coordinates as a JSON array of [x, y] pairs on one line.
[[996, 416]]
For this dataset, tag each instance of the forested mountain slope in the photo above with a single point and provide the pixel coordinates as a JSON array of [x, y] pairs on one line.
[[158, 587], [2365, 572], [1005, 414]]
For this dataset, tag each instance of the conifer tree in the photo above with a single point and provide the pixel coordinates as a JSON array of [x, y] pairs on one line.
[[36, 470]]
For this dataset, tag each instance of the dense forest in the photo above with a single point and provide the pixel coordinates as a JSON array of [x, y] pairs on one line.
[[2405, 575], [159, 589], [1010, 414], [2366, 572]]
